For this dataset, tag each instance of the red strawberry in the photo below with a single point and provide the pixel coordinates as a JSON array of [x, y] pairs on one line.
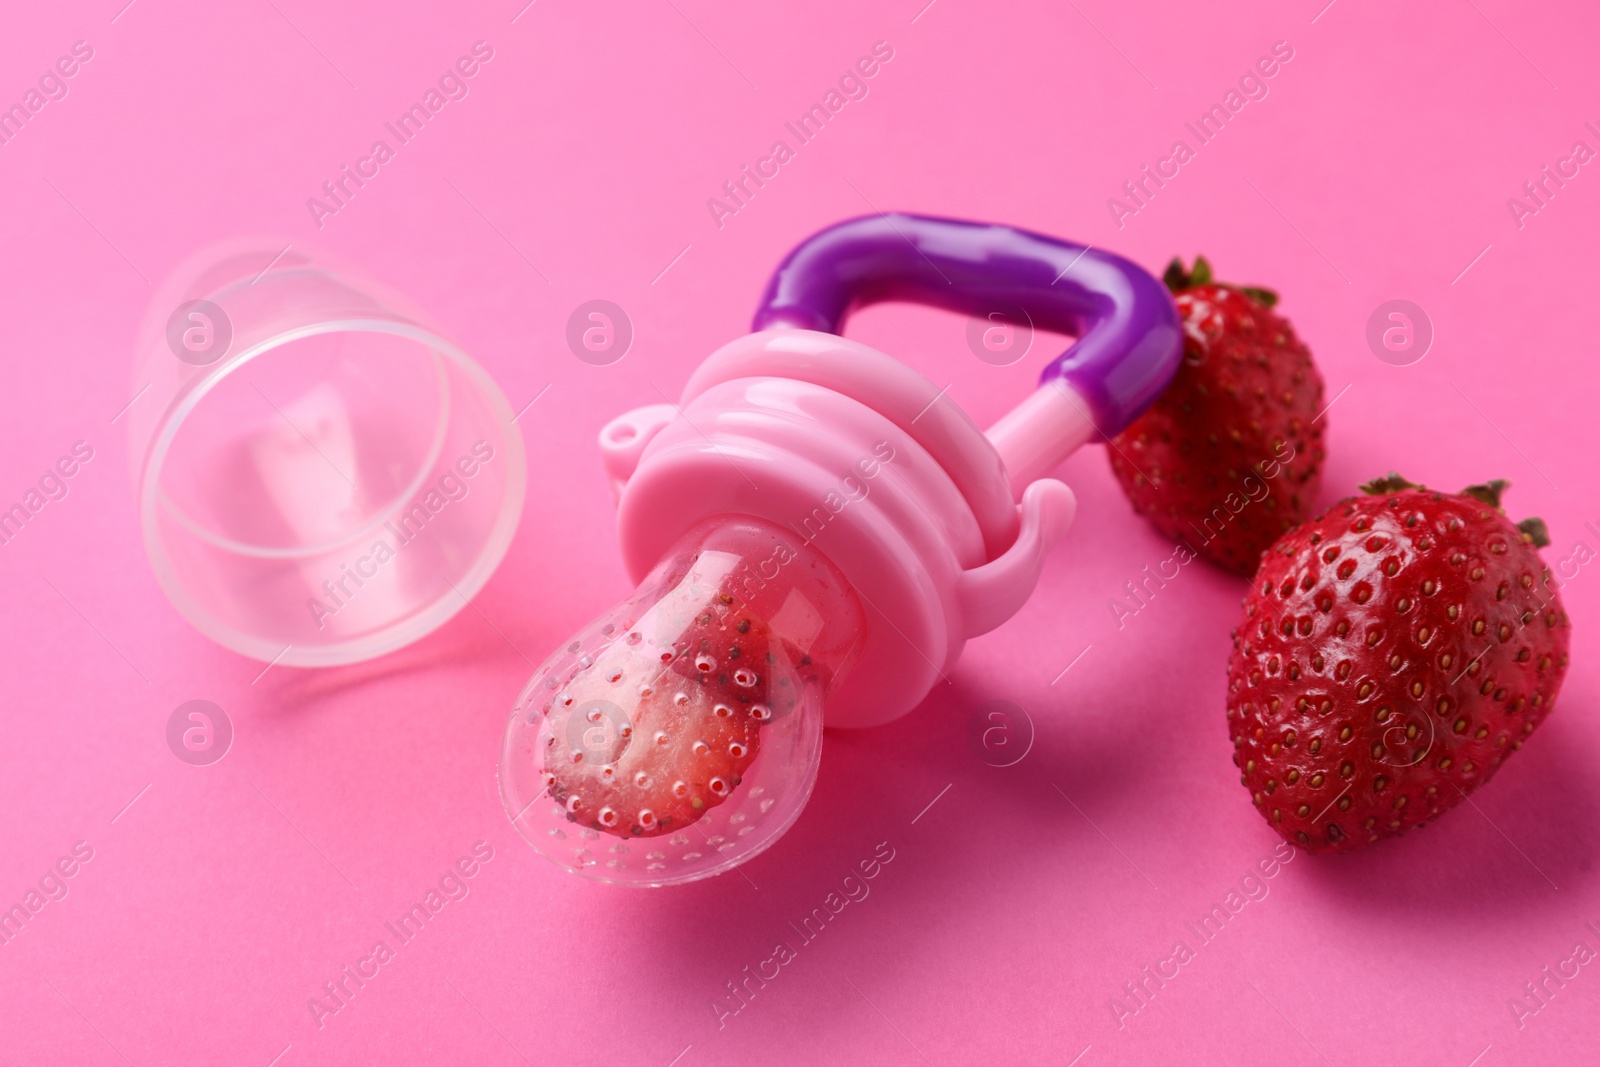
[[698, 679], [1230, 456], [1393, 652]]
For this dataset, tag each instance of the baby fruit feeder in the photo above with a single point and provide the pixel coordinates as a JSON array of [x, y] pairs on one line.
[[816, 530]]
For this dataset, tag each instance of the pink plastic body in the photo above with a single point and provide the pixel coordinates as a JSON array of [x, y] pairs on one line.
[[861, 457]]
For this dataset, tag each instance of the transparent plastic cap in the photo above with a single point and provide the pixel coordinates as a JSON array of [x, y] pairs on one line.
[[680, 733], [321, 477]]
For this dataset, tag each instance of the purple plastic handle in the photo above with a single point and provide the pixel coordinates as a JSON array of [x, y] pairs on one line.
[[1129, 341]]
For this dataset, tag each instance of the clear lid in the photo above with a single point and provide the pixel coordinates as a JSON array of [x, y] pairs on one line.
[[321, 476]]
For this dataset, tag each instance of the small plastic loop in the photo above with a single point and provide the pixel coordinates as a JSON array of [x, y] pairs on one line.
[[992, 593], [623, 439]]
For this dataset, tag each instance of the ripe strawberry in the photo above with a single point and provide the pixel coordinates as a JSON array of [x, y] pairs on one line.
[[1230, 456], [1393, 652], [699, 680]]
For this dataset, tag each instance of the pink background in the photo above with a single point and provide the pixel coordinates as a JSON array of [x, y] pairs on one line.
[[221, 900]]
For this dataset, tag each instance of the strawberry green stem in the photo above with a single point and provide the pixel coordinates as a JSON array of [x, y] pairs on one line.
[[1177, 279]]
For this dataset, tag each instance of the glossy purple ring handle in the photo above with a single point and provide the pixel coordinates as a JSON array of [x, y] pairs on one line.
[[1129, 340]]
